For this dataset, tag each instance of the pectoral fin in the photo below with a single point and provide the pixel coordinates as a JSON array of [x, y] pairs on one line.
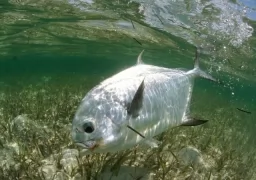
[[136, 104], [147, 141], [134, 130], [193, 122]]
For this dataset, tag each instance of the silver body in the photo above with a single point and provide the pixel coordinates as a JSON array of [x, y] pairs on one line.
[[166, 100]]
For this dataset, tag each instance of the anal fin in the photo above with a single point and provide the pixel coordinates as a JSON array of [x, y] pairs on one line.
[[193, 122]]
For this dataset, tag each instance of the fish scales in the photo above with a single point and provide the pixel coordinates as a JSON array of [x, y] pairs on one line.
[[164, 105], [165, 100]]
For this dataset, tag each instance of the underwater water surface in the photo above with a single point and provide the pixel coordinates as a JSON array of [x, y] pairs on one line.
[[52, 52]]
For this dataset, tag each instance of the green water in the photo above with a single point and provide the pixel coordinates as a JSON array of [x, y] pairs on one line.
[[53, 52]]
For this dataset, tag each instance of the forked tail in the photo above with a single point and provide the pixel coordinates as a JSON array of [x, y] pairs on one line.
[[198, 72]]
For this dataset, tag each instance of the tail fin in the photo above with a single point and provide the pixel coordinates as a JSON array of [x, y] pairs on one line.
[[198, 72]]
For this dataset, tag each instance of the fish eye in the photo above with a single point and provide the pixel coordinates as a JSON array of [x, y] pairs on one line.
[[88, 127]]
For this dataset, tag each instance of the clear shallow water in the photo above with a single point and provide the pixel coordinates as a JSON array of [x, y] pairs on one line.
[[51, 45]]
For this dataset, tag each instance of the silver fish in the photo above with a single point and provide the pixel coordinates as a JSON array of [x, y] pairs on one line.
[[135, 105]]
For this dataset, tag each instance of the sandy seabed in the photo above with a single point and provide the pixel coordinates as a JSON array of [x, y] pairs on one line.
[[35, 123]]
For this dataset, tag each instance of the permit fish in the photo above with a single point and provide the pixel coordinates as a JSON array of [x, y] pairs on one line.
[[133, 106]]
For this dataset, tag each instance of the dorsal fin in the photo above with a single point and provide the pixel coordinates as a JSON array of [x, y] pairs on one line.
[[136, 104], [139, 60]]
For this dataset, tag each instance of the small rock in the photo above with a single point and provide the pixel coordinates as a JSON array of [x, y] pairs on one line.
[[48, 171], [69, 160], [23, 128], [13, 147], [26, 130], [190, 156], [77, 177], [70, 153], [7, 154], [61, 176], [21, 122], [69, 164], [49, 168]]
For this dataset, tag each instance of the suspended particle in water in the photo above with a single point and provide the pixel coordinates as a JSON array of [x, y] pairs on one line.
[[242, 110]]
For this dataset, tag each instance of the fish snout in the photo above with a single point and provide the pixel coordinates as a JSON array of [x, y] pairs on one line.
[[79, 138], [90, 144]]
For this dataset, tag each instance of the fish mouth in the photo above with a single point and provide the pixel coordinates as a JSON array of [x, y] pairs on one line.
[[90, 144]]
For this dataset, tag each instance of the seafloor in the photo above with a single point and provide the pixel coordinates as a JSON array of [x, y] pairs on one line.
[[35, 124]]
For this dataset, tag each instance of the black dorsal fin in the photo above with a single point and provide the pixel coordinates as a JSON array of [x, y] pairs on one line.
[[136, 104]]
